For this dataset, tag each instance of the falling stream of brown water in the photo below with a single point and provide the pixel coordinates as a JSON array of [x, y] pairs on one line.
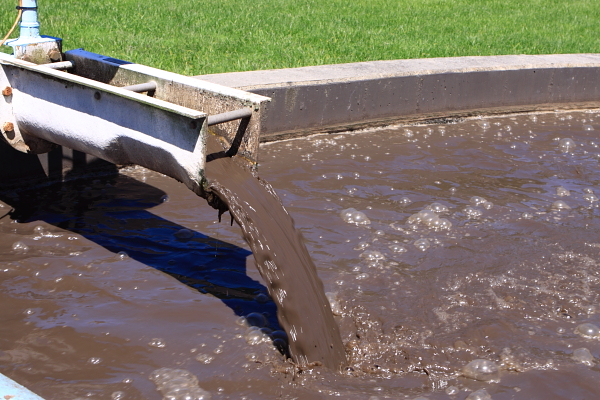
[[282, 260]]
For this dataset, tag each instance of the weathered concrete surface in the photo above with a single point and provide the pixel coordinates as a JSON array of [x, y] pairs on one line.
[[348, 96]]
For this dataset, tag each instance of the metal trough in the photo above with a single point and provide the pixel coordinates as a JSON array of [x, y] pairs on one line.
[[125, 113]]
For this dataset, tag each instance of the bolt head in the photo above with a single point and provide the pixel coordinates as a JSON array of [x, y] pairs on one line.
[[7, 91], [8, 127]]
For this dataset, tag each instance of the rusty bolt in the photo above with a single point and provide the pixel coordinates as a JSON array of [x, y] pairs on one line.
[[8, 127], [7, 91]]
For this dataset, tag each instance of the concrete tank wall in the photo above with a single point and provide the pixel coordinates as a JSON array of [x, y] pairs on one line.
[[331, 98]]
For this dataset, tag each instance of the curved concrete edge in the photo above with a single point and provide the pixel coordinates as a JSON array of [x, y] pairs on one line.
[[332, 98], [11, 390]]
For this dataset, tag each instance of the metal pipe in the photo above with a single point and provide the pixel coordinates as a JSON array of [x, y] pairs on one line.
[[229, 116], [142, 87], [59, 65]]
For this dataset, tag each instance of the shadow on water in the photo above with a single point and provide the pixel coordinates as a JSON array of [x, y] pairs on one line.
[[112, 211]]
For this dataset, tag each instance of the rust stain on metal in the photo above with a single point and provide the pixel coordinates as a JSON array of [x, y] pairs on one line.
[[8, 127], [7, 91]]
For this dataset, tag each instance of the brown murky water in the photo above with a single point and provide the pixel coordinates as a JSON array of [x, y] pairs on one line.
[[105, 281]]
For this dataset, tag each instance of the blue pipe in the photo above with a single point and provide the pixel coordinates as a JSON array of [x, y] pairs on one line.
[[30, 27]]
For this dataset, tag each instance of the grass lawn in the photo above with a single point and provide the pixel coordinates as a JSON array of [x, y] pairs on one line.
[[211, 36]]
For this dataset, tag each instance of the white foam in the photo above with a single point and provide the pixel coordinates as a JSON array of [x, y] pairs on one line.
[[480, 394], [588, 330], [178, 384], [583, 356], [560, 205], [422, 244], [567, 145], [481, 370]]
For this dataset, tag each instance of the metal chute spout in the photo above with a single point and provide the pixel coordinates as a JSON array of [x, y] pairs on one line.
[[46, 107]]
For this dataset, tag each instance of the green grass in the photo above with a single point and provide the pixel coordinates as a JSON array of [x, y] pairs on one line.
[[211, 36]]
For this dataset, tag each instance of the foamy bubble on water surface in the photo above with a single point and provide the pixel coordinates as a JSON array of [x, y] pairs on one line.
[[372, 255], [437, 207], [588, 190], [164, 199], [583, 356], [566, 145], [204, 358], [480, 394], [405, 201], [157, 342], [117, 395], [336, 308], [94, 360], [451, 390], [396, 248], [484, 124], [261, 298], [178, 384], [588, 128], [560, 205], [430, 219], [122, 255], [422, 244], [472, 212], [477, 200], [562, 192], [256, 319], [588, 330], [481, 370], [266, 331], [444, 224], [352, 216], [488, 205], [408, 133], [590, 197], [254, 336], [361, 246], [280, 340], [590, 309], [527, 215], [20, 247]]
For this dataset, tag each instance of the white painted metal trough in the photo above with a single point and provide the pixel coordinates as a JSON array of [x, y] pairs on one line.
[[125, 113]]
